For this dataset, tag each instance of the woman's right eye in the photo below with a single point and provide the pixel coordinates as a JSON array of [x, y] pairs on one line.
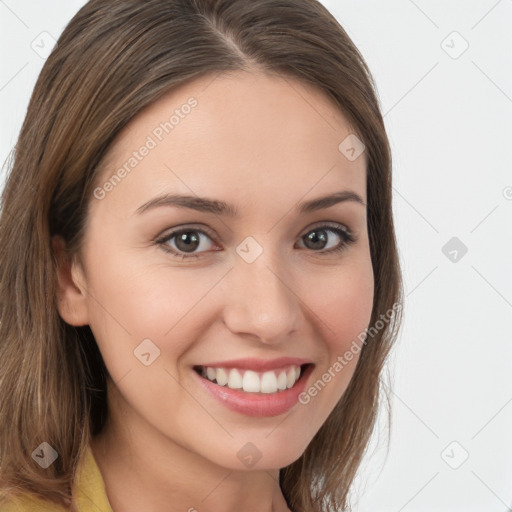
[[185, 242]]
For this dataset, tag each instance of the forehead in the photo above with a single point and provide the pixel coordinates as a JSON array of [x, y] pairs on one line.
[[255, 136]]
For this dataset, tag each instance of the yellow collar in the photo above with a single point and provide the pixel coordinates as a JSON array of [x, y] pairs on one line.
[[89, 488]]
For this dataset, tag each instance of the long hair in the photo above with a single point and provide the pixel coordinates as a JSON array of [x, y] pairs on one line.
[[113, 59]]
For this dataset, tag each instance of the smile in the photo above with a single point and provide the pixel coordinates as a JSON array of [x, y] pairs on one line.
[[255, 393], [271, 381]]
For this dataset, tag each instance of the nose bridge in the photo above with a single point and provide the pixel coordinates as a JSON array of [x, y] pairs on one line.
[[260, 301]]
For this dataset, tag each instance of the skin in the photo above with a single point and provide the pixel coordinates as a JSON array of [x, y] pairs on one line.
[[262, 143]]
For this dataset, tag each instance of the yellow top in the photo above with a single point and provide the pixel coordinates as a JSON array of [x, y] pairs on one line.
[[90, 492]]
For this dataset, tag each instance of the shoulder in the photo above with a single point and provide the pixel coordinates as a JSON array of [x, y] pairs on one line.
[[89, 489]]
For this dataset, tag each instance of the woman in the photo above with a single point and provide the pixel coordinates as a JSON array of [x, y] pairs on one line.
[[209, 282]]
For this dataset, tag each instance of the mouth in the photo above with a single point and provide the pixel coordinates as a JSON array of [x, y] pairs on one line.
[[270, 382]]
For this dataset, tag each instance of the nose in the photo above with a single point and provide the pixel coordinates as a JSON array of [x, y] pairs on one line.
[[260, 301]]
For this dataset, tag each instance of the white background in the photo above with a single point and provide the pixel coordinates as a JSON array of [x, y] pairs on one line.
[[449, 121]]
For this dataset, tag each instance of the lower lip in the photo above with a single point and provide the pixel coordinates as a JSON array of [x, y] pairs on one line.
[[257, 404]]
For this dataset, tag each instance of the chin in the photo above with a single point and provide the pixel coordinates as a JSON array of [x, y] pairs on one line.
[[259, 455]]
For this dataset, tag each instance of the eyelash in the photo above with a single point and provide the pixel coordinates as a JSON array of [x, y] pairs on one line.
[[347, 237]]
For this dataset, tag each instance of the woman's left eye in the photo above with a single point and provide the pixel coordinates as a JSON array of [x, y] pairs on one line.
[[185, 242], [317, 238]]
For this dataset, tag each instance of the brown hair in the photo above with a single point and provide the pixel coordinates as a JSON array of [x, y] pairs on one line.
[[113, 59]]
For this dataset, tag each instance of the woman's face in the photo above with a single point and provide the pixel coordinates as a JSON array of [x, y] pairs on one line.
[[260, 279]]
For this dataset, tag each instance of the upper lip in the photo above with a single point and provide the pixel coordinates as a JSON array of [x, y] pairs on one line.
[[257, 364]]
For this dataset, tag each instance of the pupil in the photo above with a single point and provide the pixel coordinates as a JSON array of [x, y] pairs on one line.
[[190, 241], [318, 239]]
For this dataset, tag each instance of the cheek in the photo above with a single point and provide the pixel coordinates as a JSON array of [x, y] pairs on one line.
[[350, 313], [343, 303], [343, 306], [131, 301]]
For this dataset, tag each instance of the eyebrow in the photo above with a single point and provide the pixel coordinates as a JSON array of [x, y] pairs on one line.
[[203, 204]]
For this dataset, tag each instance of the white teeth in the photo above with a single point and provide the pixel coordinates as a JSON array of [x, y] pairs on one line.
[[221, 376], [281, 381], [250, 381], [235, 379], [269, 382], [290, 378]]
